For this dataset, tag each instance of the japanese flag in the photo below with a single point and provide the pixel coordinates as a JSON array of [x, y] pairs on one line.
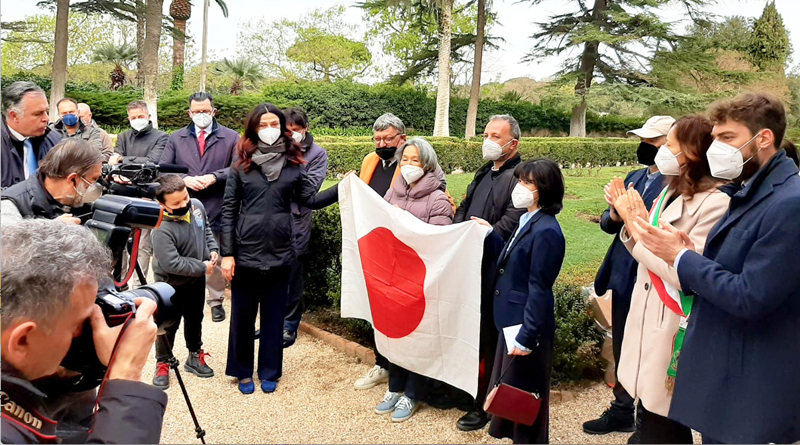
[[418, 284]]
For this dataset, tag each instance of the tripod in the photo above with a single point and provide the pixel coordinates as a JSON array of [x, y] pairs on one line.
[[173, 364]]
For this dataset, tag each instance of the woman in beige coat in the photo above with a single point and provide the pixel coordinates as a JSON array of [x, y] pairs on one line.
[[692, 203]]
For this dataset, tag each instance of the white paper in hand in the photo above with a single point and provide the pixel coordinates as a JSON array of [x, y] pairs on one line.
[[510, 333]]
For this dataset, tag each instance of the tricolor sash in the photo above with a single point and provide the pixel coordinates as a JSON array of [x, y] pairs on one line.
[[674, 299]]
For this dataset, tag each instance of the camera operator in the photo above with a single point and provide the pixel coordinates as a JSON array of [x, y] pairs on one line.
[[50, 272], [63, 185]]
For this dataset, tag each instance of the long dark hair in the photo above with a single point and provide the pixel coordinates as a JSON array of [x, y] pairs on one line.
[[248, 144], [694, 135]]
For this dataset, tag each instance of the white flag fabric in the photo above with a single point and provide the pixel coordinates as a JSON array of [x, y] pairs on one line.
[[418, 284]]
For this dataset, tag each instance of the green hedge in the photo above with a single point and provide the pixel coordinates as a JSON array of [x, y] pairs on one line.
[[340, 106], [577, 347], [345, 154]]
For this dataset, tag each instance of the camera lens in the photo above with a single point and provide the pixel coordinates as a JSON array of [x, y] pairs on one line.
[[160, 293]]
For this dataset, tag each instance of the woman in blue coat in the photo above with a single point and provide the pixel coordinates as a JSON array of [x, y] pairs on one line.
[[523, 294]]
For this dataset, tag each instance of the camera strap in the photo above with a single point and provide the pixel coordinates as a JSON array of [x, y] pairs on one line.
[[125, 326]]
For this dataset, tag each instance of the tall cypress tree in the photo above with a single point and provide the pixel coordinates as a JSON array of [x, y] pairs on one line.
[[769, 44]]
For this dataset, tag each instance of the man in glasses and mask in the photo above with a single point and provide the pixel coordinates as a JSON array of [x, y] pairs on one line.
[[618, 271], [63, 188]]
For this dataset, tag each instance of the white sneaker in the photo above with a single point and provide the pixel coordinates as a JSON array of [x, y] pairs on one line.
[[374, 377]]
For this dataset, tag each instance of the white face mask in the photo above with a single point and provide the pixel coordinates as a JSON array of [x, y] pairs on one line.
[[298, 137], [411, 173], [726, 161], [202, 120], [140, 124], [493, 151], [521, 197], [667, 162], [269, 135], [89, 194]]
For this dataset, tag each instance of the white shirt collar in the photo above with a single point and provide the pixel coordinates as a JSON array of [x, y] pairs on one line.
[[198, 130], [16, 135]]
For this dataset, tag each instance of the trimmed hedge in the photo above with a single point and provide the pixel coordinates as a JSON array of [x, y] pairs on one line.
[[345, 154], [339, 105]]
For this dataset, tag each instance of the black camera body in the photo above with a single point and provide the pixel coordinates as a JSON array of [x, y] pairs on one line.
[[135, 180], [116, 307]]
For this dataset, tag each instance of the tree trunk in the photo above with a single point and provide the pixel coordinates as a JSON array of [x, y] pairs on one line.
[[577, 125], [441, 126], [140, 24], [150, 62], [475, 91], [178, 50], [591, 53], [59, 79]]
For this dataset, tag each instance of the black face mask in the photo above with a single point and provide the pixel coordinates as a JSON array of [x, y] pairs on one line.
[[181, 211], [646, 154], [386, 153]]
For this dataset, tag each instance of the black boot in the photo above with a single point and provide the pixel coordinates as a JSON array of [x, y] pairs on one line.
[[610, 421], [473, 420], [196, 364], [289, 338], [636, 437]]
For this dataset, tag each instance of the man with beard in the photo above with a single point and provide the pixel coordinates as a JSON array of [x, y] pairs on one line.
[[618, 271], [736, 369]]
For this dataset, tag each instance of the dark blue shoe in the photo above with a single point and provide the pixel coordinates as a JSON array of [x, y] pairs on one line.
[[247, 388], [268, 386]]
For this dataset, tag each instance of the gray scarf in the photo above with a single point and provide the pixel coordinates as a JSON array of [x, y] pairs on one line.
[[271, 159]]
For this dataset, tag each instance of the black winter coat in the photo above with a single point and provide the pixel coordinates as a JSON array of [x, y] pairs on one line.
[[501, 214], [257, 222]]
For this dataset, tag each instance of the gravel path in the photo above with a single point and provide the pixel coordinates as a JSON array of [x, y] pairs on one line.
[[316, 403]]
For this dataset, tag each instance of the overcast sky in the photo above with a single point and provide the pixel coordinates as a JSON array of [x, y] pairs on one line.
[[516, 25]]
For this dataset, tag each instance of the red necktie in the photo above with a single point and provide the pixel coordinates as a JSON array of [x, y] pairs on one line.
[[202, 141]]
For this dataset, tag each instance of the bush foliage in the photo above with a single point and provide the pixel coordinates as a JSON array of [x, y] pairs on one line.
[[339, 105]]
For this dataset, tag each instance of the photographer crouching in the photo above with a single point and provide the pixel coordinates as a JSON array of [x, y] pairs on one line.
[[65, 185], [50, 274]]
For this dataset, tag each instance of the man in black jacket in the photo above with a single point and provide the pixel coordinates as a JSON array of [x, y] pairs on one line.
[[63, 187], [50, 272], [489, 198], [141, 144], [26, 138]]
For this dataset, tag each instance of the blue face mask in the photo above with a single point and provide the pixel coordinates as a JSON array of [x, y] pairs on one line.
[[70, 120]]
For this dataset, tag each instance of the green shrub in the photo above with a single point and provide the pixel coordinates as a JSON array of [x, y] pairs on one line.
[[577, 347], [343, 107]]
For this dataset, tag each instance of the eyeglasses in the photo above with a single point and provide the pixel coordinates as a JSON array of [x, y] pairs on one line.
[[385, 140]]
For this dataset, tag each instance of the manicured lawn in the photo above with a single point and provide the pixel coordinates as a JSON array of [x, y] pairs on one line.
[[586, 243]]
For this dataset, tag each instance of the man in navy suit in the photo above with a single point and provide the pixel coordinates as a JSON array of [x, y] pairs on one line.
[[737, 373], [618, 271]]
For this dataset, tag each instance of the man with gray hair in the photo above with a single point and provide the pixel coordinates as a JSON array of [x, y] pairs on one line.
[[65, 185], [85, 113], [380, 168], [26, 138], [50, 273], [489, 198]]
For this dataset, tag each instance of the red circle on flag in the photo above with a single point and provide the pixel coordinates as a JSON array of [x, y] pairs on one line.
[[395, 277]]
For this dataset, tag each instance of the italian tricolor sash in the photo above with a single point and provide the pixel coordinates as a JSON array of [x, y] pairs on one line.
[[674, 299]]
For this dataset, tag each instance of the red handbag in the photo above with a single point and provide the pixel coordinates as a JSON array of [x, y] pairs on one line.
[[512, 403]]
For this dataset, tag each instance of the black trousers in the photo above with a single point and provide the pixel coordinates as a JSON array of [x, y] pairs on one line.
[[295, 307], [620, 307], [415, 386], [187, 303], [252, 290], [658, 429]]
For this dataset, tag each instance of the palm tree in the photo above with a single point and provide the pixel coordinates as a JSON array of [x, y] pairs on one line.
[[181, 11], [441, 126], [118, 55], [152, 23], [242, 70]]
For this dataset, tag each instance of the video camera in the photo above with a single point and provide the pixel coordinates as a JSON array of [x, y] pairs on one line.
[[135, 180]]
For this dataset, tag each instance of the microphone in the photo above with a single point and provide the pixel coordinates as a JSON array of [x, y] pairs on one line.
[[172, 168]]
